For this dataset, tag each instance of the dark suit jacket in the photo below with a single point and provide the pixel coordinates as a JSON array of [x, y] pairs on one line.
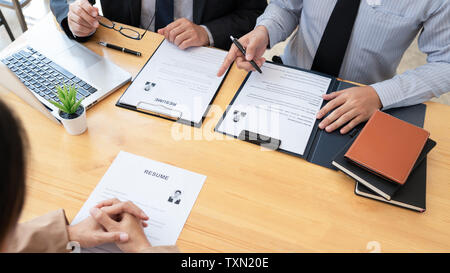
[[222, 17]]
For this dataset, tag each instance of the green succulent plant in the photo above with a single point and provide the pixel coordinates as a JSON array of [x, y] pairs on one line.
[[67, 95]]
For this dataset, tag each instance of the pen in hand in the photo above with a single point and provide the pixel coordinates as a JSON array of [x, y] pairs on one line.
[[241, 48], [125, 50]]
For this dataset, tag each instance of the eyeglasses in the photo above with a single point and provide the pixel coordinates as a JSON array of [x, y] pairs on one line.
[[127, 32]]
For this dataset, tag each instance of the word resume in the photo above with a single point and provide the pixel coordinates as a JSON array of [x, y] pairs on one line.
[[280, 103], [177, 83], [165, 193]]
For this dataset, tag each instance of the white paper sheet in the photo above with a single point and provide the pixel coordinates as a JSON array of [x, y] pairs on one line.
[[183, 81], [151, 185], [281, 103]]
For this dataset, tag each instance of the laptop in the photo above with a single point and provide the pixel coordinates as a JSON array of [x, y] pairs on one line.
[[54, 60]]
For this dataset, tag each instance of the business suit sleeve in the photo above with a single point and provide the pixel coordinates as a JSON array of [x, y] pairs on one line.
[[237, 23], [427, 81], [60, 9], [47, 233]]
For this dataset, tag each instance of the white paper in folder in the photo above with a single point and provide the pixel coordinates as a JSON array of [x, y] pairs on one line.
[[165, 193], [280, 103], [178, 84]]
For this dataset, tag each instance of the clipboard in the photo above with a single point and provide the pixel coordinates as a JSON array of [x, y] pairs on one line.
[[165, 111], [323, 146]]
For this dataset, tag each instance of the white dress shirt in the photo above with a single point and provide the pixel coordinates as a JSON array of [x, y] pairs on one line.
[[182, 9], [383, 31]]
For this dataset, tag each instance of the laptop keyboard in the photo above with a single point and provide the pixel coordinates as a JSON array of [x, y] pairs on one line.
[[42, 76]]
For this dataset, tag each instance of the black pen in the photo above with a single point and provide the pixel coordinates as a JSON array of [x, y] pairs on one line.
[[125, 50], [241, 48]]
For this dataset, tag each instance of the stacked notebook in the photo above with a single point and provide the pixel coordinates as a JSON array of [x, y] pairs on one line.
[[388, 161]]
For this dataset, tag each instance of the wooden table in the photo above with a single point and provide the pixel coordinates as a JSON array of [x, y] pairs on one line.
[[252, 200]]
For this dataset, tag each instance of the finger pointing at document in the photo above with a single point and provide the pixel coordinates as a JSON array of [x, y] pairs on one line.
[[255, 44]]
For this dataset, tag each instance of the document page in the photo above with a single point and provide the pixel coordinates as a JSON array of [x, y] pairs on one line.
[[165, 193], [280, 103], [183, 81]]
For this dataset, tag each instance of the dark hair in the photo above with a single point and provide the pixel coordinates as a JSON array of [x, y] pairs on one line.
[[178, 191], [12, 170]]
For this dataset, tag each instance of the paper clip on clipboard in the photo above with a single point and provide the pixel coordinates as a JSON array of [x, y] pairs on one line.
[[262, 140], [159, 110]]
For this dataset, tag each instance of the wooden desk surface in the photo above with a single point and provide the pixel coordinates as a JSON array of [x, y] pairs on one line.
[[252, 200]]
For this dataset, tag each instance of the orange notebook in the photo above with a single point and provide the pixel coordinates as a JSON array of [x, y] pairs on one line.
[[389, 147]]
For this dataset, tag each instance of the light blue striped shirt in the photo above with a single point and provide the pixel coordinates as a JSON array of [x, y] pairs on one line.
[[383, 31]]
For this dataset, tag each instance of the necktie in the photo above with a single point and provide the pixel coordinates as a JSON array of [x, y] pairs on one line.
[[331, 51], [164, 13]]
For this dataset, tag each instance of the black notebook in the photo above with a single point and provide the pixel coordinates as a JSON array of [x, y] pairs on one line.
[[412, 195], [372, 182]]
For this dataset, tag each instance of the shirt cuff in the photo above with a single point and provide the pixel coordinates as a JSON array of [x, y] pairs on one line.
[[210, 37], [388, 92]]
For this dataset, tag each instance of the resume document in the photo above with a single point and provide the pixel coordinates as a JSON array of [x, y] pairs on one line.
[[280, 103], [177, 83], [165, 193]]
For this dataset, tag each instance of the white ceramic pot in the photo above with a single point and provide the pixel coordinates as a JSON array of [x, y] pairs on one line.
[[75, 124]]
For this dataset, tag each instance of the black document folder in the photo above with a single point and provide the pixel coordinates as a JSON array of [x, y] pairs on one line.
[[322, 146]]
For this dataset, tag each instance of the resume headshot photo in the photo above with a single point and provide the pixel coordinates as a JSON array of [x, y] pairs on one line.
[[175, 198]]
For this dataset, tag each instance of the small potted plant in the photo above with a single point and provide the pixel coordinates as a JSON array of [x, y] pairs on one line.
[[72, 113]]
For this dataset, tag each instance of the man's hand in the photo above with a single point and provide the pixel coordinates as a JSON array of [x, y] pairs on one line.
[[127, 223], [82, 18], [354, 105], [184, 34], [255, 44]]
